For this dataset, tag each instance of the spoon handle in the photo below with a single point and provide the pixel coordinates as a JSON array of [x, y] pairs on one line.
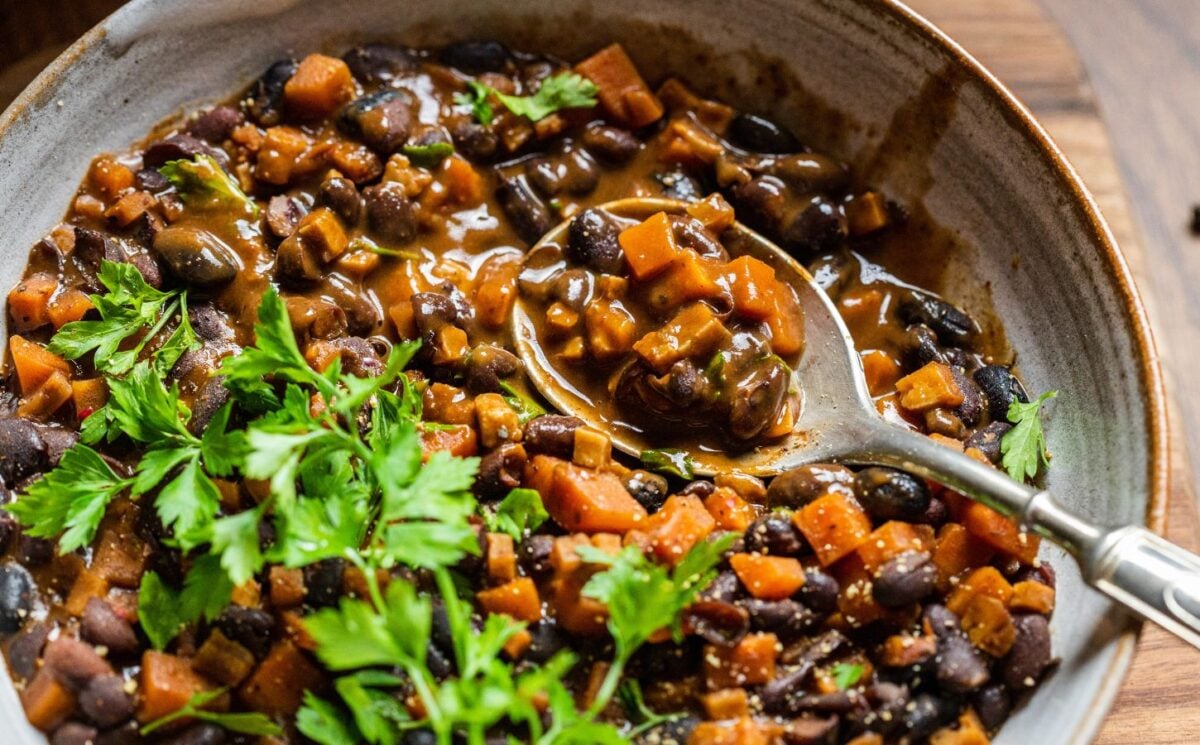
[[1151, 576]]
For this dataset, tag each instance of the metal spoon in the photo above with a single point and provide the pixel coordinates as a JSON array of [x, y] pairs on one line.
[[839, 423]]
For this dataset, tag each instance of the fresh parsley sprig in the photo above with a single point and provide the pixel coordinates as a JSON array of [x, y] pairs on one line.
[[246, 723], [1023, 448], [202, 184], [566, 90]]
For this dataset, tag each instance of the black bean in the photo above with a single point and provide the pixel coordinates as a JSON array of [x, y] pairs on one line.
[[570, 171], [811, 652], [126, 734], [678, 185], [216, 124], [718, 622], [475, 57], [795, 488], [819, 591], [971, 409], [390, 213], [787, 619], [691, 233], [474, 140], [1030, 653], [757, 399], [649, 489], [1001, 388], [196, 256], [341, 195], [203, 733], [904, 580], [250, 627], [25, 648], [760, 202], [499, 472], [820, 226], [17, 594], [379, 63], [432, 311], [926, 715], [952, 325], [102, 626], [208, 401], [32, 552], [777, 696], [944, 422], [105, 701], [725, 588], [547, 641], [382, 120], [811, 731], [283, 215], [487, 365], [774, 534], [940, 620], [611, 144], [534, 555], [960, 667], [149, 179], [700, 489], [838, 702], [358, 356], [888, 494], [592, 241], [935, 514], [992, 704], [324, 582], [22, 450], [209, 323], [180, 147], [529, 215], [667, 661], [74, 662], [266, 97], [920, 346], [987, 439], [146, 265], [74, 733], [552, 434], [760, 135]]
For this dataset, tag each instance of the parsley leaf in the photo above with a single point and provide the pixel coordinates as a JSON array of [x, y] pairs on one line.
[[846, 674], [163, 611], [203, 184], [324, 722], [670, 461], [566, 90], [428, 156], [1024, 446], [246, 723], [69, 500], [520, 512], [235, 539], [525, 406]]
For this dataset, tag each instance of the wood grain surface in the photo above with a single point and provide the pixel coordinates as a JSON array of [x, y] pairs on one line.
[[1027, 50]]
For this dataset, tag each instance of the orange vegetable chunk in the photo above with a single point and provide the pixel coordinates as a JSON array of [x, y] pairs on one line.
[[768, 577], [167, 682], [754, 287], [621, 90], [518, 598], [929, 387], [649, 246], [34, 363], [889, 541], [1000, 532], [277, 685], [749, 662], [29, 302], [583, 500], [47, 702], [678, 525], [834, 525], [985, 581], [319, 86]]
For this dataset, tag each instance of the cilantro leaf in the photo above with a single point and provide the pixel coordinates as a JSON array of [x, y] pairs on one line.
[[476, 99], [235, 539], [520, 512], [566, 90], [670, 461], [846, 674], [355, 635], [376, 713], [324, 722], [159, 610], [69, 500], [163, 611], [525, 406], [246, 723], [203, 184], [1023, 447], [275, 354], [428, 156], [188, 504]]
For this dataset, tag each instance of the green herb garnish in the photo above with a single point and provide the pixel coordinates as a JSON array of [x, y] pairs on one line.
[[202, 183], [428, 156], [525, 406], [519, 513], [566, 90], [1024, 446], [246, 723], [669, 461], [846, 674]]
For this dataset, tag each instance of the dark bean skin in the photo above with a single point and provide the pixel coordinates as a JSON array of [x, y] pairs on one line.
[[774, 534], [987, 439], [649, 489], [940, 620], [379, 63], [1030, 653], [475, 57], [718, 622], [22, 450], [820, 590], [250, 627], [552, 435], [909, 578], [324, 582], [920, 346], [283, 215], [935, 514], [547, 641], [778, 694], [818, 227], [432, 311], [611, 144], [8, 528], [757, 399], [811, 731], [341, 195], [31, 552], [529, 215], [25, 648], [960, 667], [266, 99], [499, 472], [101, 625], [17, 594], [676, 730], [391, 214], [992, 704], [592, 241], [926, 715], [700, 489], [487, 365], [679, 185], [795, 488], [216, 124], [725, 588], [787, 619], [1001, 388], [474, 140], [534, 555], [761, 135], [74, 662], [888, 494], [382, 120], [970, 411], [203, 733], [952, 325], [569, 171], [105, 701], [74, 733], [179, 147], [195, 256], [944, 422]]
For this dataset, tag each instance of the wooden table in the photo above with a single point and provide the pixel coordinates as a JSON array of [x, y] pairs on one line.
[[1141, 55]]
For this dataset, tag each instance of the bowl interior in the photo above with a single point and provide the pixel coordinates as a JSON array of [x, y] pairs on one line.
[[861, 80]]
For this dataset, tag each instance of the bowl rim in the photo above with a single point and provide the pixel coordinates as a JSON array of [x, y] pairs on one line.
[[1083, 203]]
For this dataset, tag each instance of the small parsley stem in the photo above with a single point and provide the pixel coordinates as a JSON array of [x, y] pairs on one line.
[[608, 687]]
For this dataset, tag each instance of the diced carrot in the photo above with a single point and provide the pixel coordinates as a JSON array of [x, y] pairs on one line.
[[166, 683], [969, 732], [450, 345], [689, 277], [88, 395], [29, 302], [754, 287], [463, 182], [501, 557], [284, 154], [110, 176], [866, 213], [498, 422], [277, 685], [1000, 532], [120, 554], [322, 232], [319, 86], [458, 440], [223, 660], [956, 551], [649, 246], [862, 307], [496, 290], [856, 603], [986, 581], [695, 331], [355, 161], [583, 500], [575, 612], [989, 626], [744, 731], [539, 474], [287, 587], [678, 525], [834, 525], [932, 385], [786, 322], [249, 593], [358, 264], [402, 318], [611, 329], [130, 207], [904, 650], [518, 644], [889, 541], [882, 371], [727, 703], [713, 212], [518, 598], [593, 448], [1032, 596], [768, 577], [88, 584], [620, 88], [68, 306], [47, 399], [729, 510], [47, 702], [448, 404], [749, 662], [561, 319]]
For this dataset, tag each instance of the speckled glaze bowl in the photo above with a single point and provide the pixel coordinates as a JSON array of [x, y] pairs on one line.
[[865, 80]]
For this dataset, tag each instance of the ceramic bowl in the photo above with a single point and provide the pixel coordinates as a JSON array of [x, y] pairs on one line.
[[867, 81]]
